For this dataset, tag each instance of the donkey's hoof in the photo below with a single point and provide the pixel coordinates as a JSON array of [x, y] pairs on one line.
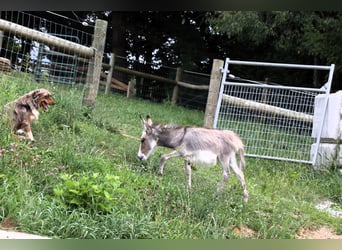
[[245, 196]]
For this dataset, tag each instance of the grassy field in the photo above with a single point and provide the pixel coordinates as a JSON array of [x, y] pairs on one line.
[[81, 178]]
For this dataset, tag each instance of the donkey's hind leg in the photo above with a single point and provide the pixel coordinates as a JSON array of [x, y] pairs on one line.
[[225, 173], [239, 174]]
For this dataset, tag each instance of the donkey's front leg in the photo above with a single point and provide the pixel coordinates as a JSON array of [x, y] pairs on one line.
[[188, 172], [163, 160]]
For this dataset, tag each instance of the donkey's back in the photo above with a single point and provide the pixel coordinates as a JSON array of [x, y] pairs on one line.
[[204, 141], [224, 140]]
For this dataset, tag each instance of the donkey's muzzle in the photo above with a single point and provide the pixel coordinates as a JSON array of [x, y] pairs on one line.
[[142, 157]]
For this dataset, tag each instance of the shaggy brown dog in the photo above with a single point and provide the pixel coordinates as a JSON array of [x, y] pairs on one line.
[[25, 109]]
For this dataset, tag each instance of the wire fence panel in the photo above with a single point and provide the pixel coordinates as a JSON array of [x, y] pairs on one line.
[[23, 51], [64, 66], [274, 121], [194, 98], [49, 63]]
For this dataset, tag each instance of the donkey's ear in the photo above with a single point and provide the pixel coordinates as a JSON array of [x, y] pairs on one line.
[[149, 120], [142, 120]]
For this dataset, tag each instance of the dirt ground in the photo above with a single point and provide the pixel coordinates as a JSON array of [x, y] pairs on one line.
[[320, 233], [324, 232]]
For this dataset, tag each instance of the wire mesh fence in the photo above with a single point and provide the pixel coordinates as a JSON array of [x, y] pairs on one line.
[[44, 62], [47, 63], [194, 98], [274, 121]]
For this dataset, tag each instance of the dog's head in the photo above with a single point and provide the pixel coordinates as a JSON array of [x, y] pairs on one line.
[[42, 98]]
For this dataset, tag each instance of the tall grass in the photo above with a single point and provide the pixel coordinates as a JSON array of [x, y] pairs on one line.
[[57, 185]]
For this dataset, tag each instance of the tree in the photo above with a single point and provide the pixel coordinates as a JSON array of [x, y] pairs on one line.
[[165, 38], [284, 36]]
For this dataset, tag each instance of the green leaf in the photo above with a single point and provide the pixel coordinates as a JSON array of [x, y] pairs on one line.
[[107, 195], [96, 188], [74, 191], [74, 201], [95, 175], [58, 192]]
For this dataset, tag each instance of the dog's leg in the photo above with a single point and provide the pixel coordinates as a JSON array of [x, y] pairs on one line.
[[30, 135], [20, 137], [26, 129]]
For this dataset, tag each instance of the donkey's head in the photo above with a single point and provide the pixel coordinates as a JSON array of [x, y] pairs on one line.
[[149, 139]]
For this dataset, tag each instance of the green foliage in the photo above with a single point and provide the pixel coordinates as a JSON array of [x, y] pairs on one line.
[[306, 37], [248, 23], [95, 192], [322, 36]]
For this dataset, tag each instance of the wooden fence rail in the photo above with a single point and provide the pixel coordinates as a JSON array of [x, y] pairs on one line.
[[175, 82], [46, 38], [270, 109], [94, 54]]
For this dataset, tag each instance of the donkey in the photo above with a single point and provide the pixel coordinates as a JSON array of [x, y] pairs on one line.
[[197, 146]]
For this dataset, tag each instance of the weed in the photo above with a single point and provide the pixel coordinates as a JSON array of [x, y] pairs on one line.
[[94, 192]]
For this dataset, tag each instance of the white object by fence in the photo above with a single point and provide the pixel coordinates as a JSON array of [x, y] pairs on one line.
[[274, 121], [329, 151]]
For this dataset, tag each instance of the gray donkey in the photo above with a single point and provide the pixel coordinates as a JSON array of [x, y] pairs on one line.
[[196, 145]]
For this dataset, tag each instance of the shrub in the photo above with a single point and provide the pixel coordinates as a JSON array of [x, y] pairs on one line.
[[95, 192]]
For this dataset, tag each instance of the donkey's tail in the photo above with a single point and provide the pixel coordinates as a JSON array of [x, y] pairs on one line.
[[242, 162]]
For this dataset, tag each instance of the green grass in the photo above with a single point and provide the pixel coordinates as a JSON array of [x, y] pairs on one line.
[[71, 141]]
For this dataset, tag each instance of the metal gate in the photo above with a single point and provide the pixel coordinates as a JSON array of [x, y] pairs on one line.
[[274, 121]]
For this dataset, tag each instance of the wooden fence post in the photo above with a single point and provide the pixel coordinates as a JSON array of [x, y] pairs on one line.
[[110, 73], [176, 87], [95, 64], [1, 38], [131, 87], [213, 93]]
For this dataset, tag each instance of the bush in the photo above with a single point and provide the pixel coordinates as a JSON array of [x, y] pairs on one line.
[[98, 193]]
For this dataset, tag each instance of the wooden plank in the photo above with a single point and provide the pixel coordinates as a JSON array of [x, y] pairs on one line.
[[68, 46], [157, 78], [193, 86], [144, 75], [270, 109], [5, 64], [113, 86]]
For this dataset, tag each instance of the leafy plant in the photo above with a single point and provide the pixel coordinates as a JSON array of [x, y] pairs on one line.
[[94, 192]]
